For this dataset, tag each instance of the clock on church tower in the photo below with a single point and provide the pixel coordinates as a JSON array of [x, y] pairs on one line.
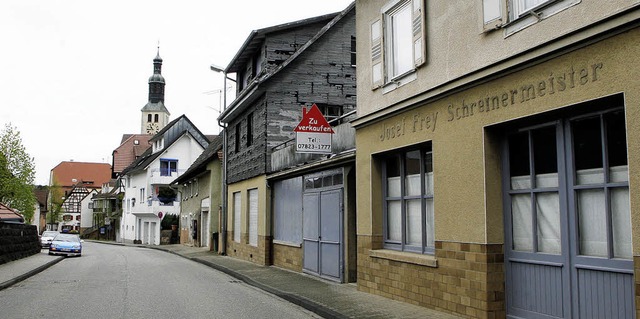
[[152, 128]]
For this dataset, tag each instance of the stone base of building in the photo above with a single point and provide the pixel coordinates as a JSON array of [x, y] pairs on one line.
[[462, 278], [243, 250], [287, 257]]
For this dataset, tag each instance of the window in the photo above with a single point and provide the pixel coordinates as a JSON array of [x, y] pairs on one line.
[[408, 200], [142, 195], [237, 148], [250, 129], [397, 41], [353, 51], [148, 117], [515, 15], [323, 179], [330, 112], [601, 175], [168, 167], [155, 118], [597, 180], [534, 179], [287, 210], [237, 221], [253, 217]]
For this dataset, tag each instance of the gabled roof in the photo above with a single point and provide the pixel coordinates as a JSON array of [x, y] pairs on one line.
[[131, 147], [41, 194], [67, 174], [9, 215], [256, 37], [171, 133], [254, 40], [200, 164], [176, 128]]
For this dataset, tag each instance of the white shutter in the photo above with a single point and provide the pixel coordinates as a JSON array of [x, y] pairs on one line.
[[377, 67], [492, 13], [419, 35], [237, 225], [253, 217]]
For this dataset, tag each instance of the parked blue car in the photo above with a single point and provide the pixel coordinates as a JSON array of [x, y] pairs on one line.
[[66, 244]]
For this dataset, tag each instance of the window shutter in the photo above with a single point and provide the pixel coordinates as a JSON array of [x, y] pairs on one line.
[[419, 35], [377, 69], [492, 12]]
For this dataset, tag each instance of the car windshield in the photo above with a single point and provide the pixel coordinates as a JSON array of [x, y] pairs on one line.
[[49, 233], [67, 238]]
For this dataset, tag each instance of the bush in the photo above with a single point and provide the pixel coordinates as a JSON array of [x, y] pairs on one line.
[[169, 220]]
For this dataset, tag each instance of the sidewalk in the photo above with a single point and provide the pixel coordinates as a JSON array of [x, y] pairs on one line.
[[325, 298], [16, 271]]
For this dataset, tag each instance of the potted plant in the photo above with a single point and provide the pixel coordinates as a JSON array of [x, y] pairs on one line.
[[166, 195]]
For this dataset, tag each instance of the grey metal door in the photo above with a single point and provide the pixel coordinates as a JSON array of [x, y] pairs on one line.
[[322, 234], [567, 220]]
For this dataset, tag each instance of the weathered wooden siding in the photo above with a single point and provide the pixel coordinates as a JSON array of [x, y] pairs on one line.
[[323, 74]]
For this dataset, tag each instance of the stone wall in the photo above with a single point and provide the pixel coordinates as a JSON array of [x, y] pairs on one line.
[[18, 241], [287, 257], [465, 279], [260, 255]]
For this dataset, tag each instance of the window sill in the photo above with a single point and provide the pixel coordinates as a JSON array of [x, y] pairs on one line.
[[536, 15], [412, 258], [399, 81], [286, 243]]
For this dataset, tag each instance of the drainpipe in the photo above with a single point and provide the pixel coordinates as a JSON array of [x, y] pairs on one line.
[[223, 234], [223, 181]]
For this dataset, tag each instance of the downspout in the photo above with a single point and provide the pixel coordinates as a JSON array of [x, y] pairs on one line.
[[223, 179], [223, 240], [223, 182]]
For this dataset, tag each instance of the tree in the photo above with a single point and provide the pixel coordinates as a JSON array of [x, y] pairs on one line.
[[17, 173], [56, 201]]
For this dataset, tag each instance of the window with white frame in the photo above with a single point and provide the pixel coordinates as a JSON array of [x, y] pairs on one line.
[[237, 223], [397, 41], [252, 195], [408, 208], [142, 194], [517, 14]]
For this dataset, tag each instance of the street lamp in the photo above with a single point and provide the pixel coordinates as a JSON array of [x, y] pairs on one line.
[[223, 182]]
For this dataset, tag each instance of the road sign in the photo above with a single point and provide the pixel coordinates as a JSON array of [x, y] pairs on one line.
[[313, 133]]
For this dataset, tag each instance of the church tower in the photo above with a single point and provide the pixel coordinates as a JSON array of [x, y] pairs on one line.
[[155, 115]]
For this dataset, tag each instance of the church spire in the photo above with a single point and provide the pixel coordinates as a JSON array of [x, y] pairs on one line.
[[154, 114], [156, 81]]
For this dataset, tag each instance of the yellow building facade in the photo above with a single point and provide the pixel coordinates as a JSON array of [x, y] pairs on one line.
[[499, 178]]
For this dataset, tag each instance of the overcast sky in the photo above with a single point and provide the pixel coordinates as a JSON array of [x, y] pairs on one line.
[[73, 73]]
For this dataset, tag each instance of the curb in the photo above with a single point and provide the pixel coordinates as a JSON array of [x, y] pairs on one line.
[[297, 300], [28, 274]]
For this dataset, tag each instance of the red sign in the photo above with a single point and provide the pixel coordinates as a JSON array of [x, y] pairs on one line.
[[313, 122]]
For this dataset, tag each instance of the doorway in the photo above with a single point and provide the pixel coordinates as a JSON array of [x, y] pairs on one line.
[[568, 250]]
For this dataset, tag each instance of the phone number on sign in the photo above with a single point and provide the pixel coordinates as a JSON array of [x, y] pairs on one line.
[[314, 146]]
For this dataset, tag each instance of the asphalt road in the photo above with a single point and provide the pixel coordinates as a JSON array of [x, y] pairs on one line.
[[128, 282]]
